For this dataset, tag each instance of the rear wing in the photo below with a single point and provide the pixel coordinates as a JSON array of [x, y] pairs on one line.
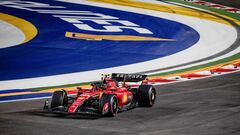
[[120, 77]]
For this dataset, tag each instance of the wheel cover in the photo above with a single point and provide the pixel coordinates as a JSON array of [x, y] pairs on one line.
[[114, 106]]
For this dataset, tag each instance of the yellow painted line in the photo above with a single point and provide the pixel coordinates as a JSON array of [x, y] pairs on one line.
[[227, 17], [113, 37], [18, 93], [29, 30], [167, 9], [66, 88], [43, 91]]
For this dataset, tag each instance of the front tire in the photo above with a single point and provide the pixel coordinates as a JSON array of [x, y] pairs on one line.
[[59, 98], [146, 95], [108, 105]]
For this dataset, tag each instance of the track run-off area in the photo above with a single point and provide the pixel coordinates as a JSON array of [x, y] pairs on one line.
[[189, 50], [48, 45]]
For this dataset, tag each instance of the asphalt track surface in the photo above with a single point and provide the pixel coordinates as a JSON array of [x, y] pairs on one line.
[[208, 106]]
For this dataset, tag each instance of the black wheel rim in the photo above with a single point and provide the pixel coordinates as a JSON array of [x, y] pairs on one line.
[[152, 96], [114, 106]]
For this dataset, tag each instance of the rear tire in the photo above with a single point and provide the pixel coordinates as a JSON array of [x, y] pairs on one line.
[[146, 95], [59, 98], [108, 105]]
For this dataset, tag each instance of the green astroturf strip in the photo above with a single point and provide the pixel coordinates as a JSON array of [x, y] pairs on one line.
[[234, 57]]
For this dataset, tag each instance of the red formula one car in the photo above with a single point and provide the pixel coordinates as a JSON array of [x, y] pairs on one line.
[[115, 93]]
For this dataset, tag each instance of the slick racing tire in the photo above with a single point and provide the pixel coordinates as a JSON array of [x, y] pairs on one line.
[[108, 105], [146, 95], [59, 98]]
